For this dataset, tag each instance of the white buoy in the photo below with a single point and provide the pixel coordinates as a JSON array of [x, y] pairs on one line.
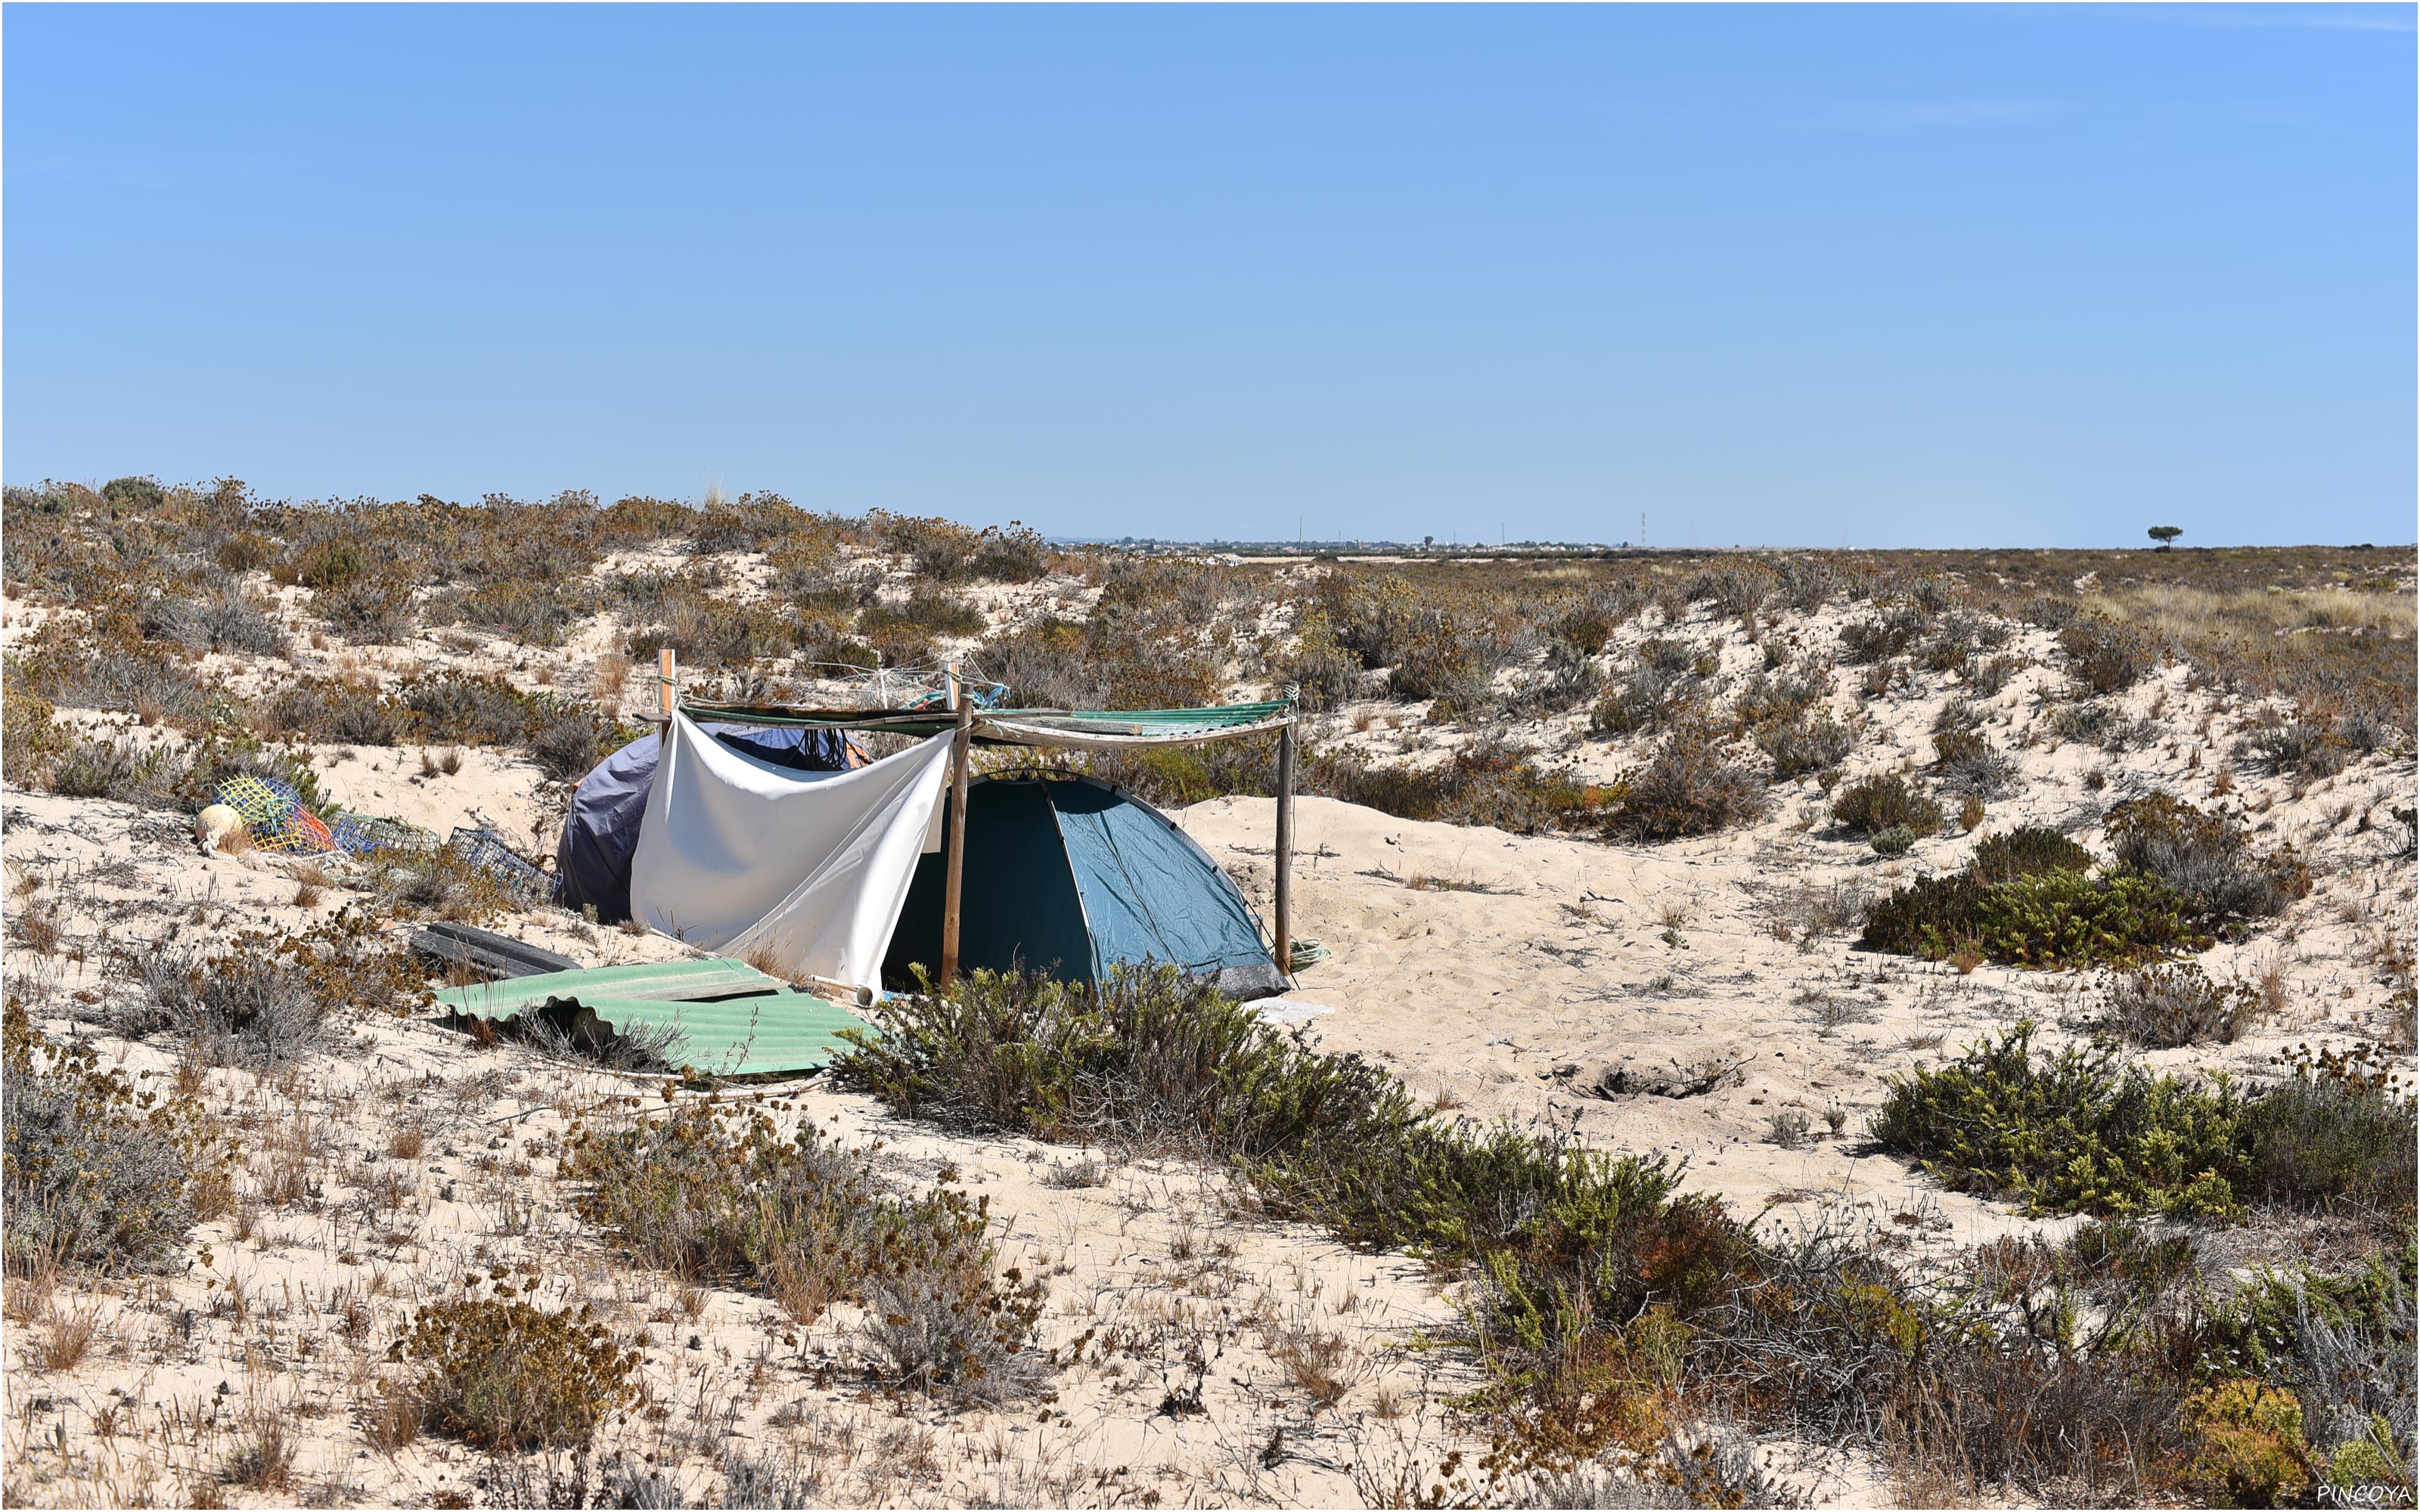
[[219, 828]]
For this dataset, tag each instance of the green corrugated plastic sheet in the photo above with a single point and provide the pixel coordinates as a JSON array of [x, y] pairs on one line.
[[733, 1020]]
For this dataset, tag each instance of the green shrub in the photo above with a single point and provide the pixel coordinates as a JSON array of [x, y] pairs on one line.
[[322, 564], [2247, 1445], [2373, 1460], [1897, 841], [2044, 918], [2076, 1131], [1932, 917], [99, 1173], [31, 737], [1885, 802], [501, 1374], [2026, 852], [2064, 919], [1150, 1060], [926, 612], [2083, 1130], [133, 494], [2270, 1324]]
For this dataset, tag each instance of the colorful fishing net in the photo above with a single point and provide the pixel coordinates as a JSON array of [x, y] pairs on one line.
[[274, 811]]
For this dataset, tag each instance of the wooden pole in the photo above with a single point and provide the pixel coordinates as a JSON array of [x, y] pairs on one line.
[[667, 685], [1285, 846], [955, 889]]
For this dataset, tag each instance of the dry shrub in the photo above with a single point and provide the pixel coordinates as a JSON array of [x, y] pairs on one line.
[[339, 712], [1805, 743], [565, 750], [268, 1000], [1878, 803], [2205, 855], [467, 708], [1648, 699], [98, 1170], [149, 777], [2108, 656], [249, 1007], [1485, 782], [1965, 762], [2305, 747], [216, 617], [530, 613], [439, 882], [373, 611], [2165, 1006], [1687, 788], [501, 1374], [1888, 633], [711, 1195]]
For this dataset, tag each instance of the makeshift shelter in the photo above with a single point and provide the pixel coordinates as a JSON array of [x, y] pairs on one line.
[[600, 833], [810, 873], [1071, 877], [804, 871]]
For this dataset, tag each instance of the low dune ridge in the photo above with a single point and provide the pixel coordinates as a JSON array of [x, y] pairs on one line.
[[1602, 850]]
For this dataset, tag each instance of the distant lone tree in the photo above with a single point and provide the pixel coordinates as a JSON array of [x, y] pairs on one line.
[[2164, 534]]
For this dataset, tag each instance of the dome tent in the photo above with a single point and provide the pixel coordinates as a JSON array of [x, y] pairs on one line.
[[1071, 877]]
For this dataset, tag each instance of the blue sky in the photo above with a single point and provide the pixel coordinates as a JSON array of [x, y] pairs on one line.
[[1797, 275]]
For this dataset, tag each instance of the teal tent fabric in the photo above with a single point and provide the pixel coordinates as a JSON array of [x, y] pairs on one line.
[[1075, 729], [1071, 877]]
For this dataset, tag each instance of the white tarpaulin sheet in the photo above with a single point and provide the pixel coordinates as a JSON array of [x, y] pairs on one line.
[[810, 868]]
